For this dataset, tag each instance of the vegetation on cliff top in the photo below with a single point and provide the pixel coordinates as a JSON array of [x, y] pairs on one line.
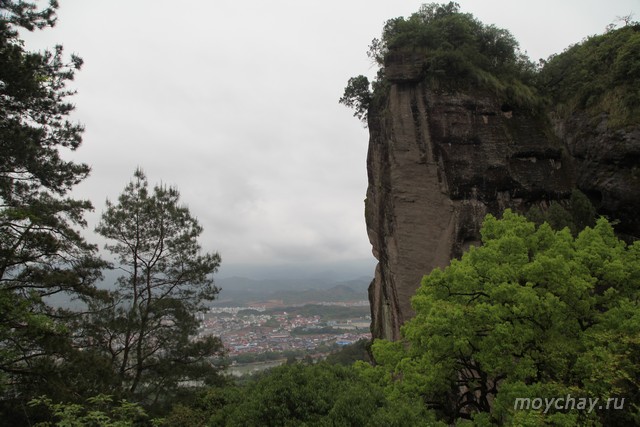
[[599, 75], [459, 53], [457, 47]]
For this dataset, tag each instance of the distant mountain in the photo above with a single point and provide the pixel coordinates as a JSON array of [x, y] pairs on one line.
[[241, 290], [338, 293], [359, 284], [271, 285], [314, 272]]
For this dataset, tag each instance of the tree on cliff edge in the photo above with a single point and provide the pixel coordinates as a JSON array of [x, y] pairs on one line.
[[147, 330], [357, 95]]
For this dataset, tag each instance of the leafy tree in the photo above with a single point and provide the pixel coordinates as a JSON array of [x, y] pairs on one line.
[[41, 250], [457, 51], [583, 212], [147, 331], [357, 95], [577, 214], [98, 411], [454, 44], [532, 313]]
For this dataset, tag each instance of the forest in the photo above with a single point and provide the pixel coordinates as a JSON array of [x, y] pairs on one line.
[[546, 307]]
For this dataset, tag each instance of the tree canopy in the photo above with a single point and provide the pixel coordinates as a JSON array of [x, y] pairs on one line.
[[532, 313], [459, 53], [302, 394], [147, 328]]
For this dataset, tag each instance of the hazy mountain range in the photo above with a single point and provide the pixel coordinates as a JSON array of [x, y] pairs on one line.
[[290, 284], [241, 290]]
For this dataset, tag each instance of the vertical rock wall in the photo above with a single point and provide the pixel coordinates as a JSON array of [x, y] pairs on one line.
[[607, 163], [438, 162]]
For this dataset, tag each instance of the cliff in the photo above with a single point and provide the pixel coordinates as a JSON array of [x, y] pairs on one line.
[[595, 107], [438, 162], [607, 166], [462, 124]]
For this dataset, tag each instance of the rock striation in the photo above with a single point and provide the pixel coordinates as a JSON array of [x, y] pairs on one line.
[[607, 167], [438, 162]]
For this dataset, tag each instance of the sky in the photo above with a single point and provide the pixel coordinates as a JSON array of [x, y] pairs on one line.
[[235, 103]]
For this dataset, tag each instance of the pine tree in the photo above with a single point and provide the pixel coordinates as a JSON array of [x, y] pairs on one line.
[[42, 252], [148, 329]]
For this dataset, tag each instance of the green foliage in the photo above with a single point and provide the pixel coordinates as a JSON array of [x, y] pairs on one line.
[[583, 212], [532, 313], [599, 75], [357, 95], [205, 409], [458, 52], [145, 328], [42, 252], [98, 411], [301, 394], [349, 354], [289, 394], [578, 214]]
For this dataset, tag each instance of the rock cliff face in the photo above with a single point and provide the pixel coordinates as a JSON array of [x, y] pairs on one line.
[[607, 164], [438, 162]]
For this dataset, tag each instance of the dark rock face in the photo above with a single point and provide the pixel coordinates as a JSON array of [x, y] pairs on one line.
[[607, 166], [437, 164]]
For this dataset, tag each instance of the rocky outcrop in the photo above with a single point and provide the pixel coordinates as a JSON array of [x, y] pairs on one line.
[[607, 164], [438, 162]]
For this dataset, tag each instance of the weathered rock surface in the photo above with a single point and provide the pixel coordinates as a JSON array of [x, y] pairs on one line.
[[607, 164], [438, 162]]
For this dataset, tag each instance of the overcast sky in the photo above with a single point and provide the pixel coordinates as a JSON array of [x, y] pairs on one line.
[[235, 104]]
